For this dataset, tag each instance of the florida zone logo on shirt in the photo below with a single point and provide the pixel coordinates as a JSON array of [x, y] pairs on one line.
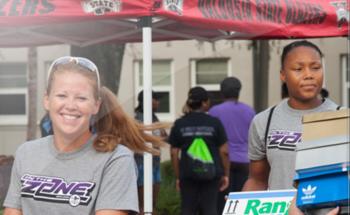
[[284, 140], [52, 189]]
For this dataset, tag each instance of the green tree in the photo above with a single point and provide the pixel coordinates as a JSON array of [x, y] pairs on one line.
[[32, 92], [108, 58], [261, 59]]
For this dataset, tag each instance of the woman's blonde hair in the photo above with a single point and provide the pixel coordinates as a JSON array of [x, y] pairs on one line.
[[111, 124], [115, 127]]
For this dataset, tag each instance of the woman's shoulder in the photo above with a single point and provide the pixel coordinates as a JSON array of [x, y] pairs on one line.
[[34, 145], [121, 151], [263, 115], [181, 119], [329, 104]]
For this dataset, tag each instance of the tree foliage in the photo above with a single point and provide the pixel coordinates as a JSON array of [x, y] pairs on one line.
[[108, 58], [168, 202], [32, 92], [261, 59]]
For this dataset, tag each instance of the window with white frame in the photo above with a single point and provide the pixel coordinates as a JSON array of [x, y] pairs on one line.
[[345, 80], [13, 90], [208, 73], [161, 84]]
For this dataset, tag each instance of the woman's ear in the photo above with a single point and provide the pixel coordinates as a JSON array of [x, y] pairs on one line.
[[97, 106], [46, 102], [206, 105], [282, 76]]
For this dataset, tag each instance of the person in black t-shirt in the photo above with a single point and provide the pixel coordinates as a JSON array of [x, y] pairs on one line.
[[199, 194]]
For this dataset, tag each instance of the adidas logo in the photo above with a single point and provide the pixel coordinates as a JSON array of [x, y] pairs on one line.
[[308, 192]]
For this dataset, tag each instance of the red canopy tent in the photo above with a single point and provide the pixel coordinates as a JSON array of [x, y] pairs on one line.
[[86, 22]]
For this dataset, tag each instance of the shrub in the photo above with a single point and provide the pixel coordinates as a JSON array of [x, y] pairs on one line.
[[168, 202], [5, 173]]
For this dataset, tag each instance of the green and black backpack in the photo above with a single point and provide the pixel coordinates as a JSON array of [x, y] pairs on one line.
[[200, 165]]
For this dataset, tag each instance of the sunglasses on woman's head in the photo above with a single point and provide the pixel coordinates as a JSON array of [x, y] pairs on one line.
[[81, 61]]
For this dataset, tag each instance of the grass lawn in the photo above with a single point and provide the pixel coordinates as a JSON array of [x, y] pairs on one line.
[[168, 202]]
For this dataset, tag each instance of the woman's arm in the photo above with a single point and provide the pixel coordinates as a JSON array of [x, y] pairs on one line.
[[111, 212], [226, 164], [258, 175], [117, 193], [12, 211], [174, 153], [335, 211]]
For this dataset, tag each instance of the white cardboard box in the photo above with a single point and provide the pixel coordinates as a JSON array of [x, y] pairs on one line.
[[325, 139]]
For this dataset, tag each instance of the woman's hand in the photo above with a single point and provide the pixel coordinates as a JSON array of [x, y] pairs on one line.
[[224, 182], [12, 211], [335, 211], [111, 212]]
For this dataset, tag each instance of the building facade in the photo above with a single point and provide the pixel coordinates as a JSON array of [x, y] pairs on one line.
[[177, 66]]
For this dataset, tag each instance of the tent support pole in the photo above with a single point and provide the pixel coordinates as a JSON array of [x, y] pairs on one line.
[[146, 23]]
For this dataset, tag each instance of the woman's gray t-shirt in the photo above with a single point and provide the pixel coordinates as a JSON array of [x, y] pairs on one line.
[[45, 181], [284, 134]]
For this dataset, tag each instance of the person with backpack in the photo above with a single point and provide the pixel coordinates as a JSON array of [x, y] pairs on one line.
[[203, 168], [275, 132]]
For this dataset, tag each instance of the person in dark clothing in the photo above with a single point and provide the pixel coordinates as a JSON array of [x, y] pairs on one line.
[[236, 117], [46, 126], [156, 159], [203, 168]]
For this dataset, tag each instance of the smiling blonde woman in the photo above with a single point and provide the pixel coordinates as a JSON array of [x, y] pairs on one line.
[[87, 166]]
